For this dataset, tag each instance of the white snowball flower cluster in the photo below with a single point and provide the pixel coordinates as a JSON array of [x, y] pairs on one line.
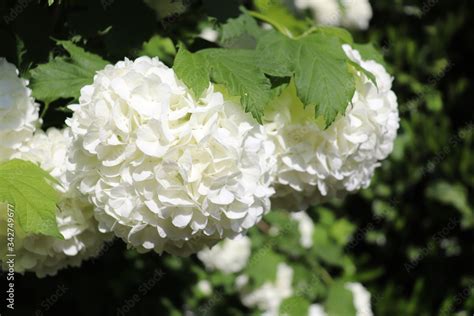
[[205, 287], [305, 227], [18, 111], [209, 34], [316, 163], [355, 14], [270, 295], [326, 12], [228, 256], [167, 171], [46, 255], [316, 310], [361, 298]]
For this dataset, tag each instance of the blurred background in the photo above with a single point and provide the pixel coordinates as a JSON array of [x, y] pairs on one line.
[[408, 238]]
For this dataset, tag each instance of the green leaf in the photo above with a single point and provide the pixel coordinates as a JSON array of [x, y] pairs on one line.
[[322, 74], [326, 216], [455, 195], [289, 236], [339, 301], [20, 52], [434, 101], [161, 47], [330, 236], [322, 77], [236, 69], [341, 231], [63, 77], [275, 13], [324, 248], [263, 266], [82, 58], [341, 33], [369, 52], [193, 70], [369, 75], [276, 55], [307, 280], [28, 187], [294, 306], [241, 31]]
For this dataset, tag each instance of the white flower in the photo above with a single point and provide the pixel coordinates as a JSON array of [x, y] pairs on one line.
[[167, 171], [46, 255], [316, 163], [49, 150], [361, 299], [241, 281], [205, 287], [326, 12], [270, 295], [209, 34], [357, 14], [228, 256], [18, 111], [316, 310], [305, 227]]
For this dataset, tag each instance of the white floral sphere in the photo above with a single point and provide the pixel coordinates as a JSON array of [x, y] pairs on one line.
[[361, 299], [316, 310], [46, 255], [271, 294], [167, 171], [357, 14], [209, 34], [326, 12], [316, 163], [354, 14], [228, 256], [305, 228], [205, 287], [18, 111]]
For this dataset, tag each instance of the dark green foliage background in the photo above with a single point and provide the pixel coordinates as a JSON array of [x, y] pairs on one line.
[[406, 251]]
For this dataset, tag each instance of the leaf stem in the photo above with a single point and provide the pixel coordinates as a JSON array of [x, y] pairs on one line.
[[45, 109], [325, 276], [307, 32]]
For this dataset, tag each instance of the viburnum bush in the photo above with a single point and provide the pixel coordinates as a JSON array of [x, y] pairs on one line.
[[207, 137]]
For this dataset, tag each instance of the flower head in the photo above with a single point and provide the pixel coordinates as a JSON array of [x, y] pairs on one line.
[[18, 111], [326, 12], [357, 14], [165, 170], [229, 256], [354, 14], [361, 299], [46, 255], [271, 294], [315, 163], [305, 227]]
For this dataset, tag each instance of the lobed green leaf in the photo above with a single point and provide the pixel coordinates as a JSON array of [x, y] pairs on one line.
[[29, 188], [63, 77]]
